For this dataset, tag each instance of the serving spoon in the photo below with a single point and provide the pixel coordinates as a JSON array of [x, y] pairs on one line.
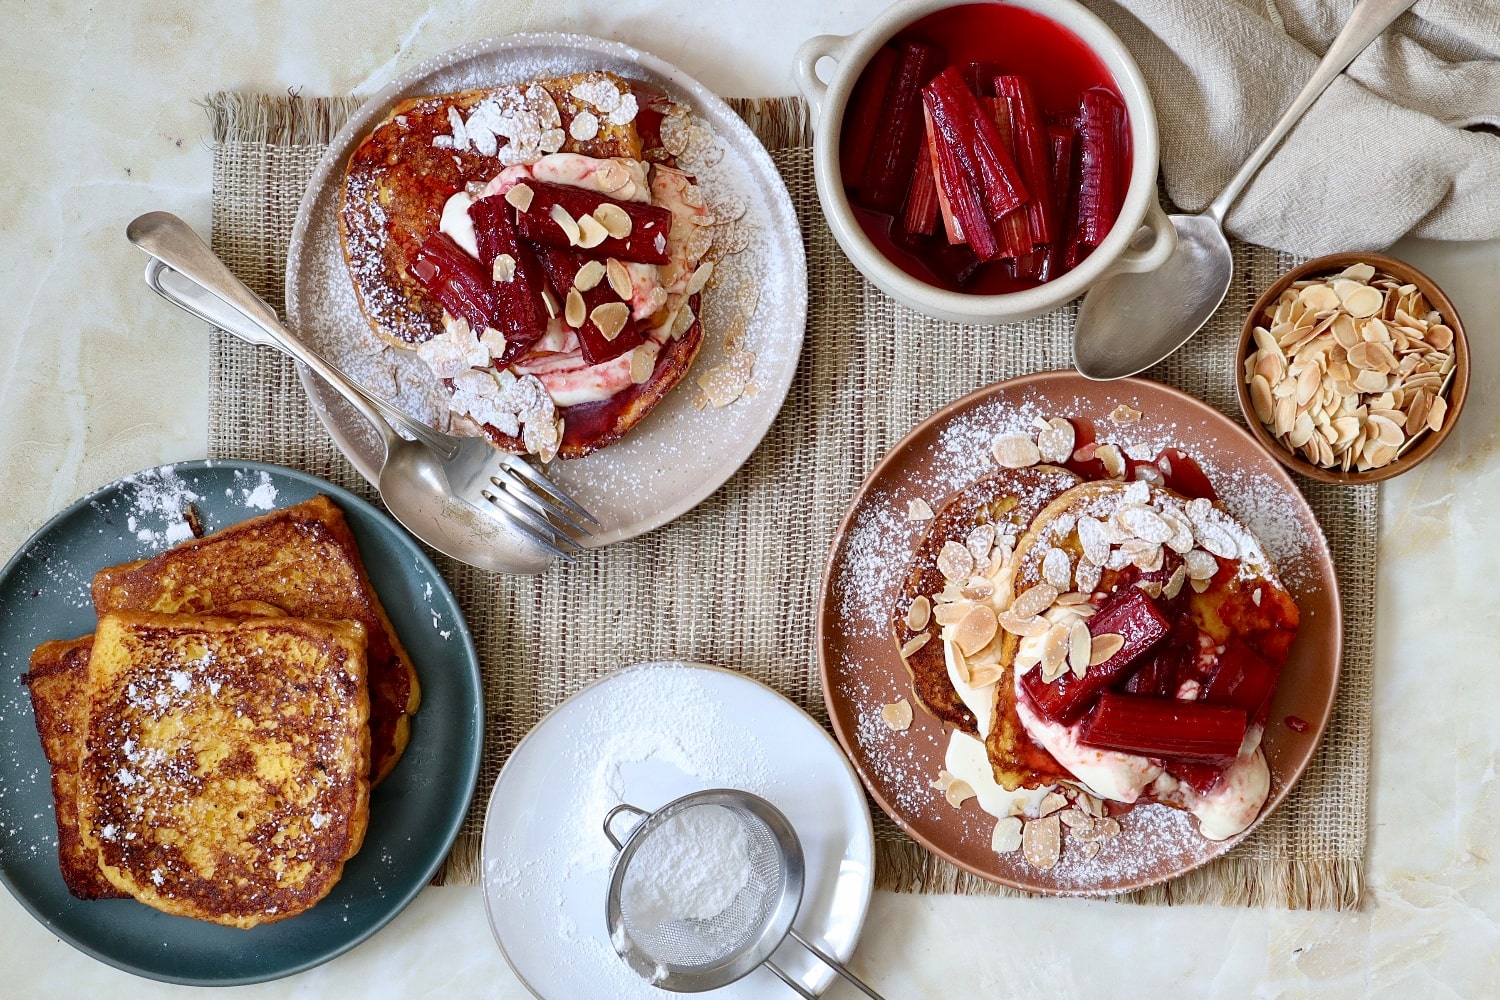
[[437, 495], [1132, 320]]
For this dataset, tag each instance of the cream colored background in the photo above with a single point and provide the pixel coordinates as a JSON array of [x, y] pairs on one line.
[[98, 379]]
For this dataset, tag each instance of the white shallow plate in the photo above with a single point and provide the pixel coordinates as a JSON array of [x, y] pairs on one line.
[[678, 455], [646, 735]]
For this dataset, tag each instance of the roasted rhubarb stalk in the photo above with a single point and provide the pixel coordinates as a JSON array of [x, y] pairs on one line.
[[898, 141], [865, 118], [951, 226], [976, 172], [1029, 143], [605, 327], [567, 217], [919, 215], [1165, 728], [456, 280], [1014, 230], [1132, 615], [1101, 164], [1244, 679], [516, 277], [1060, 187]]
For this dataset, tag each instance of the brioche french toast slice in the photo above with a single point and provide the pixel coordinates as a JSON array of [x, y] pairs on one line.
[[402, 173], [58, 683], [1006, 501], [301, 559], [225, 770]]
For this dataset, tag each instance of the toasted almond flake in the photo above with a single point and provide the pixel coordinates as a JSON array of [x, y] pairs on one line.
[[614, 219], [1364, 301], [1114, 461], [1055, 442], [549, 301], [955, 561], [574, 311], [1216, 540], [1174, 583], [976, 630], [1124, 414], [981, 542], [1052, 802], [897, 715], [958, 792], [918, 510], [590, 232], [1023, 626], [520, 196], [1034, 600], [1041, 842], [504, 269], [1436, 413], [1319, 297], [566, 223], [1015, 451], [978, 588], [700, 278], [1006, 838], [1055, 652], [610, 318], [919, 614], [1080, 645], [619, 278], [915, 643], [1057, 569], [643, 362], [588, 276], [1103, 646]]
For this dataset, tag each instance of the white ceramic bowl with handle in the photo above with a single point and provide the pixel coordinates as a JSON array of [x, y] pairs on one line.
[[1142, 237]]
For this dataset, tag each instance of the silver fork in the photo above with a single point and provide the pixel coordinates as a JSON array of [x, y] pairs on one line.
[[185, 272]]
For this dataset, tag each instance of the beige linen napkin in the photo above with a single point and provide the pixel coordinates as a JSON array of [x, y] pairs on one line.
[[1402, 145]]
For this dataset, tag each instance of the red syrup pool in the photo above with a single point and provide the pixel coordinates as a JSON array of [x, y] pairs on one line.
[[1003, 40]]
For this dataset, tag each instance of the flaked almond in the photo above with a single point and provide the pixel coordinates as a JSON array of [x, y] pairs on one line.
[[1015, 451], [1055, 441], [950, 612], [700, 278], [1034, 600], [919, 614], [566, 223], [549, 302], [614, 219], [1079, 648], [520, 196], [1124, 414], [643, 362], [915, 643], [1055, 652], [955, 561], [619, 278], [981, 543], [1114, 461], [1041, 842], [897, 715], [1103, 646], [574, 310], [1057, 569], [976, 630], [1200, 565], [1022, 626], [1174, 583], [958, 792], [503, 270], [610, 318], [590, 232], [1051, 802], [588, 276], [1006, 838], [918, 510]]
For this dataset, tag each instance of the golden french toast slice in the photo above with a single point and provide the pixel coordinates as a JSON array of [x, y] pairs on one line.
[[225, 770], [58, 683], [301, 559]]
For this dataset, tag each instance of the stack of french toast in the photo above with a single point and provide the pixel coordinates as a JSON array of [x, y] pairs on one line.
[[213, 743]]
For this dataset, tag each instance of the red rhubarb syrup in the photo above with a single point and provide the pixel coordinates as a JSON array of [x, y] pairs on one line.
[[1056, 64]]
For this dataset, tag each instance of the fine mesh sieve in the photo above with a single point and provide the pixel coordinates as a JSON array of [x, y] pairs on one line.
[[693, 954]]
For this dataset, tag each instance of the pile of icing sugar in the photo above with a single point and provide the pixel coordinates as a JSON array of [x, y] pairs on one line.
[[690, 867]]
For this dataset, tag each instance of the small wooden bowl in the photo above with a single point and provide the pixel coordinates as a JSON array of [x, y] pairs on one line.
[[1430, 441]]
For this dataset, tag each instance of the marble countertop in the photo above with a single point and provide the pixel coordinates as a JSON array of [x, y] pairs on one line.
[[99, 379]]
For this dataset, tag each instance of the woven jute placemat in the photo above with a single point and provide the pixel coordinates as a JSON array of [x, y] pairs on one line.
[[734, 582]]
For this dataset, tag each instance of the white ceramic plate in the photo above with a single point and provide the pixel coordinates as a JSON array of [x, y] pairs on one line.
[[647, 735], [677, 456]]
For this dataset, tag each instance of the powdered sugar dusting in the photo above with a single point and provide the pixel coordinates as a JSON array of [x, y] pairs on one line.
[[661, 468], [869, 567]]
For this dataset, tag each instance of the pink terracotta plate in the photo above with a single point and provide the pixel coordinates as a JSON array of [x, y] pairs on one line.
[[862, 584]]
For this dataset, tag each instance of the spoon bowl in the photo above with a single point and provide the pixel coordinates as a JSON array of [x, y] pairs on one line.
[[1128, 321]]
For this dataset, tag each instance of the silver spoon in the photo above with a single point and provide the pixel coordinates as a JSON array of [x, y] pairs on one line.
[[415, 482], [1130, 321]]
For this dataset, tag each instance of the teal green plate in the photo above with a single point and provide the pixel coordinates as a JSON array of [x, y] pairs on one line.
[[414, 814]]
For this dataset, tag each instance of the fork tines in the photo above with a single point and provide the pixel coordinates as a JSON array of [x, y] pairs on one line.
[[538, 509]]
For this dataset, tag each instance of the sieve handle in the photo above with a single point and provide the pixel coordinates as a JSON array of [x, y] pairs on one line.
[[833, 964], [609, 818], [798, 987]]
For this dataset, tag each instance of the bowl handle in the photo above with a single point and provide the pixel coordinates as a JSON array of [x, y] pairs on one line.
[[1163, 243], [805, 66]]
